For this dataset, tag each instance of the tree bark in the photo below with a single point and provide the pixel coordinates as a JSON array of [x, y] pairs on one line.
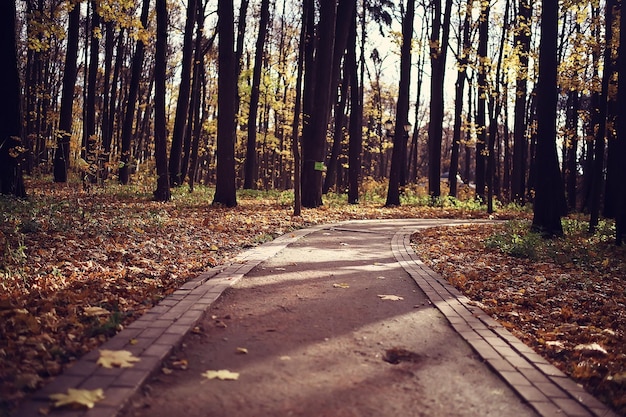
[[481, 105], [162, 192], [184, 93], [11, 152], [250, 167], [398, 157], [66, 114], [549, 193], [317, 96], [458, 98], [438, 52], [355, 145], [225, 188], [131, 101], [520, 142]]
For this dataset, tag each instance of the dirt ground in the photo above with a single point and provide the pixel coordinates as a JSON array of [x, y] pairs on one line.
[[310, 335]]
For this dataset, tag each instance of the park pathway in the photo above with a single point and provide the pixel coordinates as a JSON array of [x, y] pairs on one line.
[[334, 320]]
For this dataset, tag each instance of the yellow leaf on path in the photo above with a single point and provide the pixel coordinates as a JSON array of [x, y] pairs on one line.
[[241, 350], [116, 358], [390, 297], [342, 285], [84, 397], [224, 375]]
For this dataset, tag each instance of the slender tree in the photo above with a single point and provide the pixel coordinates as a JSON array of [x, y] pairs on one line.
[[184, 92], [66, 113], [131, 100], [11, 150], [317, 106], [355, 145], [463, 61], [250, 167], [522, 40], [619, 145], [438, 52], [398, 157], [481, 105], [549, 193], [162, 192], [225, 188]]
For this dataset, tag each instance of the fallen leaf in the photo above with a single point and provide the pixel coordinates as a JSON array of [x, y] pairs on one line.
[[342, 285], [116, 358], [591, 348], [390, 297], [224, 375], [166, 371], [181, 364], [241, 350], [83, 397], [96, 311]]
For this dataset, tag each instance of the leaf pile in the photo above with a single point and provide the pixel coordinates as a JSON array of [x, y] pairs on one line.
[[76, 267], [568, 302]]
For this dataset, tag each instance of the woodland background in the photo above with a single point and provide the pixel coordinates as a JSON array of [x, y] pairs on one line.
[[518, 98], [120, 121]]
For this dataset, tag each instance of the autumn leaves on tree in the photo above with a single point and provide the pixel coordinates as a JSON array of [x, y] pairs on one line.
[[144, 91]]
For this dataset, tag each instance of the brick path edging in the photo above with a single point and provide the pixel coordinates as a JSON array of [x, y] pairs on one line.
[[152, 337], [545, 388]]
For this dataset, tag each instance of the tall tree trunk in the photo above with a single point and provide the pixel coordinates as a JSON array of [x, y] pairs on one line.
[[598, 180], [184, 92], [225, 188], [549, 194], [619, 145], [438, 51], [398, 157], [458, 98], [307, 11], [481, 107], [355, 145], [131, 101], [162, 192], [66, 113], [90, 142], [317, 96], [250, 167], [520, 142], [11, 154]]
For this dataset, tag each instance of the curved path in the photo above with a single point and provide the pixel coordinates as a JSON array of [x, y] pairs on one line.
[[310, 312]]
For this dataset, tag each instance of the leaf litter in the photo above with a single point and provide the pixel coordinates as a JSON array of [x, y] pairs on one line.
[[569, 305]]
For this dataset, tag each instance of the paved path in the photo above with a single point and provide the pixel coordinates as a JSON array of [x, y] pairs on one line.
[[536, 386]]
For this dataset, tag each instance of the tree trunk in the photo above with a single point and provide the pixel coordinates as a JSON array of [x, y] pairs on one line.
[[549, 194], [90, 141], [481, 107], [438, 52], [131, 101], [355, 145], [458, 99], [225, 188], [250, 167], [398, 157], [66, 113], [598, 180], [317, 104], [184, 92], [520, 142], [338, 137], [162, 192], [11, 152], [619, 146]]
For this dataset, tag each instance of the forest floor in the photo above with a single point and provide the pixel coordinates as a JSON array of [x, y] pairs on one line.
[[75, 267]]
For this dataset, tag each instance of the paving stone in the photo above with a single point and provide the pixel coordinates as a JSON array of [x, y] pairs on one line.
[[572, 408], [547, 409], [98, 381]]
